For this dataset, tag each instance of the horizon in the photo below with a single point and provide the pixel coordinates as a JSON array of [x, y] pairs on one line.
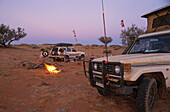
[[54, 21], [109, 44]]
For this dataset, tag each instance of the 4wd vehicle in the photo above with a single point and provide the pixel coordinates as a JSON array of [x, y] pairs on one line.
[[144, 68], [64, 50]]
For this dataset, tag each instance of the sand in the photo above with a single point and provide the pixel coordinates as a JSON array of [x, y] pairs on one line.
[[34, 90]]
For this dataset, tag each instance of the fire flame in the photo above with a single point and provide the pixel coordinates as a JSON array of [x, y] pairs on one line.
[[52, 68]]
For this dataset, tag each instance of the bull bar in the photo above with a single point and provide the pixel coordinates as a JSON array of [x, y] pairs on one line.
[[106, 78]]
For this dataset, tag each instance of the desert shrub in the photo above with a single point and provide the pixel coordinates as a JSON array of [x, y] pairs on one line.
[[47, 44], [101, 46], [130, 34], [35, 47], [42, 49], [87, 46], [94, 45], [78, 44], [49, 48], [108, 39], [112, 45], [117, 47], [8, 35], [24, 45]]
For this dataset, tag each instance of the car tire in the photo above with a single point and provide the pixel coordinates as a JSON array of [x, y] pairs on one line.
[[82, 57], [103, 93], [54, 59], [58, 59], [147, 94], [67, 58], [45, 53]]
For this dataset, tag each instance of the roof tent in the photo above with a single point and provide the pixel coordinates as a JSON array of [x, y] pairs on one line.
[[158, 19]]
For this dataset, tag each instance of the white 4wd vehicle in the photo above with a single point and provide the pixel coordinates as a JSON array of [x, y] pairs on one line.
[[144, 67], [64, 50]]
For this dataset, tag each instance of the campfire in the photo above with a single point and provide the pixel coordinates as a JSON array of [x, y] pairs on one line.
[[52, 68]]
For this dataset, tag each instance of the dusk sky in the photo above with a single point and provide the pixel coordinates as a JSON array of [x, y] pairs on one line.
[[52, 21]]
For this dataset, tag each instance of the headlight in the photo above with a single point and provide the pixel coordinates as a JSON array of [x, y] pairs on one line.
[[95, 66], [117, 69]]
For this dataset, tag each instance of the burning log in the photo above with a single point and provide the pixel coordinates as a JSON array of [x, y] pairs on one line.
[[50, 68], [31, 65]]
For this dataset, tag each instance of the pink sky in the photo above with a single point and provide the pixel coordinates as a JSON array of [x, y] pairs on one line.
[[52, 21]]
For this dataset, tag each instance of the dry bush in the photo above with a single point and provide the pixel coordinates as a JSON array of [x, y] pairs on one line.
[[94, 45], [49, 48], [47, 44], [35, 47], [101, 45], [88, 46], [78, 44], [28, 45], [112, 45], [117, 47]]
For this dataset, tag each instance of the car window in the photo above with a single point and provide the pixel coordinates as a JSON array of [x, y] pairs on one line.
[[73, 50], [154, 44], [68, 49], [64, 48]]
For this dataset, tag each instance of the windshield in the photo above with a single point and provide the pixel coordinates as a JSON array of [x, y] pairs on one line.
[[154, 44]]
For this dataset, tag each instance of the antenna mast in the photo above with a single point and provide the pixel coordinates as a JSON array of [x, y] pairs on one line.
[[104, 31]]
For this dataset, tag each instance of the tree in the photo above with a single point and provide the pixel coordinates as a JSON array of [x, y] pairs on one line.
[[130, 34], [8, 35], [102, 39]]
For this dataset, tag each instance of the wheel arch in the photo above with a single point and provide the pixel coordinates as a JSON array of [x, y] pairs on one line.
[[82, 55], [159, 77], [68, 56]]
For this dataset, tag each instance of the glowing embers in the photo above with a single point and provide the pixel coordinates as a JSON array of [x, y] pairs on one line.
[[52, 68]]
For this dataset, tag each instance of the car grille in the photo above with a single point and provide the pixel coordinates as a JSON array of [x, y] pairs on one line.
[[110, 68]]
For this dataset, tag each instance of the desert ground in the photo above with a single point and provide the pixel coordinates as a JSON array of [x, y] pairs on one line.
[[35, 90]]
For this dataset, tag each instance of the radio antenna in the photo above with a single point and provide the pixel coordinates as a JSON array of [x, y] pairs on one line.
[[105, 32]]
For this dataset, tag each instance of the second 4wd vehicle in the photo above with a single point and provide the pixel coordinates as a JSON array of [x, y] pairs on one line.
[[144, 67], [64, 50]]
